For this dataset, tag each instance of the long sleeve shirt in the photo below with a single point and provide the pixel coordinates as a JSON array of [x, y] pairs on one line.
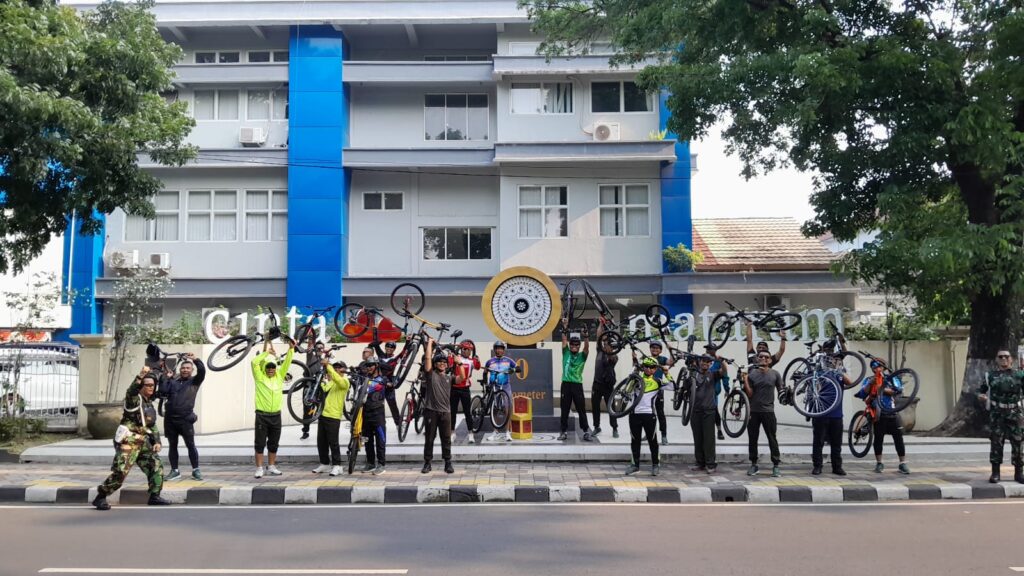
[[139, 414], [181, 393], [268, 390], [336, 386]]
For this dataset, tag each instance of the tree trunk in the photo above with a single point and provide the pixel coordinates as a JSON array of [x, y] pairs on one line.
[[994, 326]]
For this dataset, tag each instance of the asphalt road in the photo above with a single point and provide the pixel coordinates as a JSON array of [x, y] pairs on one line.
[[476, 539]]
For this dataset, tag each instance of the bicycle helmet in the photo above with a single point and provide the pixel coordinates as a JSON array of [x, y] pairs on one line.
[[439, 357], [467, 344], [498, 344], [574, 338], [875, 364], [339, 365], [389, 345], [649, 363]]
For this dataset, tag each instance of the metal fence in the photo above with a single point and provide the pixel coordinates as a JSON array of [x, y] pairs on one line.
[[40, 381]]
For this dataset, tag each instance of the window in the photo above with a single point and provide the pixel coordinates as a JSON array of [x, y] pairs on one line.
[[212, 215], [280, 55], [456, 117], [456, 243], [227, 57], [211, 57], [267, 104], [541, 98], [261, 57], [475, 58], [382, 200], [216, 104], [523, 48], [625, 209], [206, 57], [619, 97], [163, 228], [543, 211], [266, 215]]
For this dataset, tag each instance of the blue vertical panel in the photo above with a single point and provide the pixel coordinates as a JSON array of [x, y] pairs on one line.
[[676, 219], [82, 265], [317, 183]]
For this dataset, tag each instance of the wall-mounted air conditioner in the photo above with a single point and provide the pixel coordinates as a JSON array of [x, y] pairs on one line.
[[252, 136], [773, 300], [161, 260], [123, 259], [607, 131]]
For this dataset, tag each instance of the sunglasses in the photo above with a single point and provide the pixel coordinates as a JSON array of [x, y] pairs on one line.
[[1004, 356], [764, 357]]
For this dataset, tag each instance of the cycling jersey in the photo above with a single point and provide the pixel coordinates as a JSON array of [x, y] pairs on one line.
[[886, 402], [646, 404], [375, 392], [499, 369], [467, 365]]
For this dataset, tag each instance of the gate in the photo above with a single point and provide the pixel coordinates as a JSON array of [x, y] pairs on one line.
[[40, 380]]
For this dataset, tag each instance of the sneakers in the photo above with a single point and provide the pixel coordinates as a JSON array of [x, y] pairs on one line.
[[335, 470], [156, 500], [586, 436], [174, 475], [632, 469], [775, 471], [816, 471], [563, 437], [697, 468], [448, 468], [720, 435], [305, 435], [259, 472], [273, 471], [712, 469], [655, 470], [664, 439], [597, 430], [615, 432], [197, 475], [879, 467], [368, 467], [752, 471], [839, 472], [469, 438], [378, 470], [322, 468], [508, 436], [903, 468], [100, 502], [426, 468]]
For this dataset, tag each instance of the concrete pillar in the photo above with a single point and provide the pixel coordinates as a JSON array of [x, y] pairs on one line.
[[93, 366]]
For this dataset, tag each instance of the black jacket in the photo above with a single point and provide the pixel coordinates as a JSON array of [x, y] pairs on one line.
[[180, 394]]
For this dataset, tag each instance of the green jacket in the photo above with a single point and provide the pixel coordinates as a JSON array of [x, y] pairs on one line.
[[269, 390], [336, 387], [139, 415]]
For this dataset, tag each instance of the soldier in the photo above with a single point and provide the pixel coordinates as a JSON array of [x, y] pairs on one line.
[[137, 441], [1005, 417]]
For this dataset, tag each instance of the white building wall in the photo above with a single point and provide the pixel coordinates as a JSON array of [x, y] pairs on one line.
[[393, 117], [49, 262], [224, 133]]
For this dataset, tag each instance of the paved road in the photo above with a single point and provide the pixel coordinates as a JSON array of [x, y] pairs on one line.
[[573, 540]]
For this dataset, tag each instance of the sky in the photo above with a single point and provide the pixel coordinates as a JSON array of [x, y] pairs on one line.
[[719, 191]]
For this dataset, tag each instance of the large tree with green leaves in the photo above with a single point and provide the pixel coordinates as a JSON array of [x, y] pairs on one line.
[[910, 113], [80, 96]]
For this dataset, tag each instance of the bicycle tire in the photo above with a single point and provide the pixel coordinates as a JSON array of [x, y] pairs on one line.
[[908, 378], [625, 396], [476, 414], [720, 329], [229, 353], [811, 397], [677, 393], [735, 413], [350, 398], [861, 430], [780, 321], [404, 417], [412, 349], [613, 340], [302, 338], [855, 367], [353, 453], [417, 418], [595, 298], [350, 320], [573, 304], [501, 410], [301, 411], [407, 299], [687, 412], [654, 314], [796, 370]]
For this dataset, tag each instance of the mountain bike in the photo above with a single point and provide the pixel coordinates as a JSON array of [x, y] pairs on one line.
[[776, 319], [830, 355], [233, 350], [305, 335], [577, 294], [412, 410], [860, 434], [736, 408], [306, 396], [682, 395], [407, 302], [627, 393], [494, 401], [355, 441], [905, 379]]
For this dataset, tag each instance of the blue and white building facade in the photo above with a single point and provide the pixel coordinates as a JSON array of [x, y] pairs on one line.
[[347, 146]]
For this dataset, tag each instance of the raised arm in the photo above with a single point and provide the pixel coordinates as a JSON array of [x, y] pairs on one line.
[[782, 348], [746, 384], [200, 376], [565, 333], [428, 361], [750, 338], [258, 364], [585, 336], [287, 363]]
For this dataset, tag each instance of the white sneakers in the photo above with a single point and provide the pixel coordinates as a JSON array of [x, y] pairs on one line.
[[493, 437], [322, 468], [259, 472], [469, 438], [508, 436], [273, 471], [498, 436], [336, 471]]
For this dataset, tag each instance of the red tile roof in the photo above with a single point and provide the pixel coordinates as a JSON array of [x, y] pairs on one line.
[[740, 244]]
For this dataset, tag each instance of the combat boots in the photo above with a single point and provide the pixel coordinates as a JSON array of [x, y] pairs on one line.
[[1018, 474], [994, 478]]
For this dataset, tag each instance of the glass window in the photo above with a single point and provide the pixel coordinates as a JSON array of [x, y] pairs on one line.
[[259, 57], [456, 243], [634, 99], [604, 96], [542, 98], [433, 117], [456, 117], [382, 200], [433, 58], [206, 57], [280, 56], [281, 104], [372, 201], [204, 104], [227, 104], [625, 210], [433, 243], [227, 57], [258, 107], [212, 215], [266, 215], [393, 201], [543, 211], [478, 118], [479, 243], [163, 228]]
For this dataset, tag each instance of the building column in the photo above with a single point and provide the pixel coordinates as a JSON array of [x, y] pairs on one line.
[[317, 183], [676, 219], [82, 265]]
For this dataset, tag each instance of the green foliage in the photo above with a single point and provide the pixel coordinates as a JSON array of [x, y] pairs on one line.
[[34, 307], [132, 302], [79, 98], [16, 428], [680, 258], [187, 330]]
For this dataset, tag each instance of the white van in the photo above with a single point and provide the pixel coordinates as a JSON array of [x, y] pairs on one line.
[[38, 380]]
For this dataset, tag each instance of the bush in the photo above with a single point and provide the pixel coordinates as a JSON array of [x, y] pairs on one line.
[[14, 428], [680, 258]]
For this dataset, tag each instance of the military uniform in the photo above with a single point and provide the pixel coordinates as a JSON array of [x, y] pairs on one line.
[[1005, 388], [136, 447]]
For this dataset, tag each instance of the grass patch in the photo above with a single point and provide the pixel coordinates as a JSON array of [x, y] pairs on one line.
[[31, 441]]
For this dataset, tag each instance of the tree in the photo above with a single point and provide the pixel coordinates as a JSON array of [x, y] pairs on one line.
[[80, 96], [910, 113]]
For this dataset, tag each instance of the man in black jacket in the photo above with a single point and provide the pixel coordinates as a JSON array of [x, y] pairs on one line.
[[179, 412]]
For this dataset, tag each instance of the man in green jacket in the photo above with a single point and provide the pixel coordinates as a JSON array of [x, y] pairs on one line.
[[336, 386], [269, 379]]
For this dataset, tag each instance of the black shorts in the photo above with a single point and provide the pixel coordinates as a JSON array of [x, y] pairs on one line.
[[268, 431]]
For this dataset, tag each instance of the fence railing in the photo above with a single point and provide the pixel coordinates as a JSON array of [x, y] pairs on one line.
[[40, 380]]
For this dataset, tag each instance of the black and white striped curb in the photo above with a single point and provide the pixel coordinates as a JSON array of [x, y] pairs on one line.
[[272, 495]]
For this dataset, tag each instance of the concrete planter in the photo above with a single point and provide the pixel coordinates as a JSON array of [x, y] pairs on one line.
[[102, 419]]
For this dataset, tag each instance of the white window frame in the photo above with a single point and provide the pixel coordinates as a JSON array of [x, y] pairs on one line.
[[446, 95], [274, 53], [272, 102], [444, 249], [572, 99], [512, 46], [216, 104], [212, 212], [269, 53], [151, 222], [270, 211], [363, 207], [543, 223], [475, 58], [622, 207], [651, 100], [216, 57]]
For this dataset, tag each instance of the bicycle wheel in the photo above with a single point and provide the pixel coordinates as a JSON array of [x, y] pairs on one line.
[[501, 410], [677, 393], [407, 299], [613, 340], [910, 383], [352, 320], [229, 353], [796, 371], [350, 399], [625, 396], [720, 329], [305, 338], [353, 452], [816, 395], [417, 418], [657, 316], [596, 300], [574, 301], [861, 434], [476, 414], [735, 413], [409, 354], [687, 412], [853, 365], [301, 410], [782, 321], [296, 371], [405, 417]]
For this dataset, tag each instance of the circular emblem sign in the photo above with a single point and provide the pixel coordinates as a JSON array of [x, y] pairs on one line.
[[521, 305]]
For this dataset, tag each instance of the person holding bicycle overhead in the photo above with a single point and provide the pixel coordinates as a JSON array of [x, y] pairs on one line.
[[316, 352], [702, 423], [269, 378], [437, 407], [336, 385], [1002, 392], [374, 429], [659, 403], [721, 383], [762, 346], [571, 393], [388, 361], [642, 419], [604, 382], [761, 384], [465, 364], [179, 414], [496, 372], [878, 392]]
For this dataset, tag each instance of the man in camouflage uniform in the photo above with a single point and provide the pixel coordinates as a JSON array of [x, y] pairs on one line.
[[1003, 390], [136, 442]]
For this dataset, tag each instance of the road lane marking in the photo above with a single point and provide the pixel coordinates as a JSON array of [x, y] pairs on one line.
[[284, 571]]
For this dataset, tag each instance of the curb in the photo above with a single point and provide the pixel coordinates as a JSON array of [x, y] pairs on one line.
[[456, 493]]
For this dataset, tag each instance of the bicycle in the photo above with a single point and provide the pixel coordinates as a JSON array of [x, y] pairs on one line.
[[230, 352], [494, 401], [830, 355], [736, 408], [412, 410], [355, 441], [305, 335], [306, 396], [861, 431], [627, 393], [163, 364], [406, 303], [776, 319], [576, 293]]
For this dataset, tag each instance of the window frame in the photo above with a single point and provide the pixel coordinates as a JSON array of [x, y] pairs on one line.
[[651, 100], [572, 99], [216, 57], [362, 204], [212, 212], [270, 211], [269, 53], [272, 101], [622, 207], [216, 104], [151, 222], [445, 95], [542, 206], [444, 249], [534, 43]]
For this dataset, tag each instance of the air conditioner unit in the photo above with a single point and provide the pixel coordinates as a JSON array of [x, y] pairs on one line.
[[607, 131], [773, 300], [252, 136], [161, 260], [122, 260]]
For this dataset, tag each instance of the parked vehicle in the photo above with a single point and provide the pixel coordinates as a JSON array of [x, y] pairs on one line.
[[38, 380]]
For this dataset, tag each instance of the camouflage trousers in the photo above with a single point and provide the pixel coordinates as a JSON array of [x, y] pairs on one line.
[[1006, 425], [128, 455]]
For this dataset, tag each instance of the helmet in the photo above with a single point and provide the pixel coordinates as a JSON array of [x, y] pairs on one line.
[[875, 364], [467, 345], [439, 357], [649, 363], [390, 345], [574, 339], [499, 344], [339, 365]]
